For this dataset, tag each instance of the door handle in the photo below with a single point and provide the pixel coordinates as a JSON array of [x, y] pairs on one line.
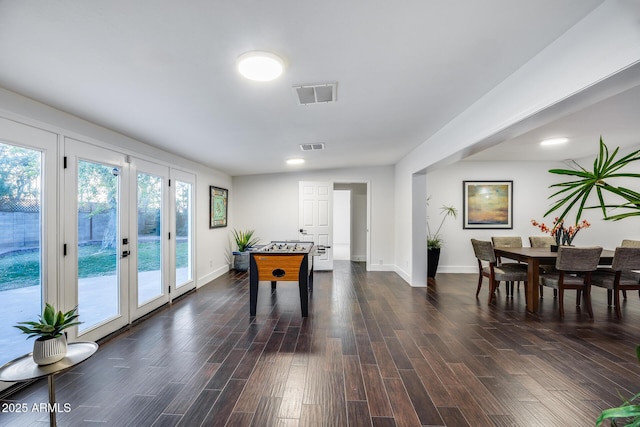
[[126, 254], [303, 231]]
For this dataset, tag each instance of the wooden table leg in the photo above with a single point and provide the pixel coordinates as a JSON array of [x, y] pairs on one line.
[[533, 285], [303, 285], [52, 400], [253, 287]]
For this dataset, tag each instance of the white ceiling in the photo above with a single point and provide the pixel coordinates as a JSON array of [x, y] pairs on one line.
[[162, 71], [616, 118]]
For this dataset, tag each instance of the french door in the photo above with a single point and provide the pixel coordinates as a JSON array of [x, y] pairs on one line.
[[118, 259], [28, 239], [97, 242], [182, 220], [149, 251]]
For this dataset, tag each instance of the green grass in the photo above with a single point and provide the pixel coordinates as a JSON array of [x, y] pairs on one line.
[[22, 269]]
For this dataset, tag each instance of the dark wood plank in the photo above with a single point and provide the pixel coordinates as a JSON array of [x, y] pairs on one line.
[[373, 351]]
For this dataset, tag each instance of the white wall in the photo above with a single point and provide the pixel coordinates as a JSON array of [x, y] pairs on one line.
[[531, 181], [601, 45], [211, 246], [269, 204]]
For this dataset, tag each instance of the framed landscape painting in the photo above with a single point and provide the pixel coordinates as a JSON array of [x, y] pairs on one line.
[[487, 204], [218, 206]]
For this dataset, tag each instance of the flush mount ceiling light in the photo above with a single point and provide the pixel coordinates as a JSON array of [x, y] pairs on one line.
[[260, 66], [554, 141], [296, 161]]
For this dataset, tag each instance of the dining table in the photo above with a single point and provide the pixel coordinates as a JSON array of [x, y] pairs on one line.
[[534, 258]]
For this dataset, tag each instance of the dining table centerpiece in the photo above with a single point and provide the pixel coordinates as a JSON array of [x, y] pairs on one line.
[[563, 235]]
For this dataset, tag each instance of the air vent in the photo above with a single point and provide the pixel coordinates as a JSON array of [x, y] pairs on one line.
[[316, 94], [312, 147]]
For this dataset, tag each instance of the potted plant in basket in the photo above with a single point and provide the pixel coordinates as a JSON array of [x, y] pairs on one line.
[[244, 241], [434, 240], [51, 344]]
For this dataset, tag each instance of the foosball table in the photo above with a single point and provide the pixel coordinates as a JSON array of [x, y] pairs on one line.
[[287, 261]]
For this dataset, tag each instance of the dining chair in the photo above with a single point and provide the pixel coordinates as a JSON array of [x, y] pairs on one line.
[[541, 241], [628, 243], [620, 277], [488, 267], [574, 267], [507, 242], [544, 242]]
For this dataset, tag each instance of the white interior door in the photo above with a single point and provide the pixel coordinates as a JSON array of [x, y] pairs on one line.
[[315, 219]]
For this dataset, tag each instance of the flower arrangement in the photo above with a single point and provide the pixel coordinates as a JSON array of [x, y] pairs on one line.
[[562, 234]]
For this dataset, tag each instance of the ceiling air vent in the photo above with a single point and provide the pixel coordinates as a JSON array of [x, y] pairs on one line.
[[316, 94], [312, 147]]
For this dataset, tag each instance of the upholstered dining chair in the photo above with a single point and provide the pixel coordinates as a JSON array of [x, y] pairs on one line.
[[544, 242], [574, 267], [627, 243], [488, 267], [507, 242], [541, 241], [620, 277]]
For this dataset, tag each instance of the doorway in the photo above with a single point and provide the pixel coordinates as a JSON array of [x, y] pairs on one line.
[[342, 225], [352, 215]]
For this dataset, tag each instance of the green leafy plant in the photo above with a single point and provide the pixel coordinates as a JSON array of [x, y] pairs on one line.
[[606, 167], [244, 239], [434, 240], [50, 324], [627, 412]]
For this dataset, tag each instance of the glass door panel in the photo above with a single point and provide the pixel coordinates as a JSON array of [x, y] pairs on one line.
[[150, 234], [149, 211], [20, 245], [97, 240], [184, 243]]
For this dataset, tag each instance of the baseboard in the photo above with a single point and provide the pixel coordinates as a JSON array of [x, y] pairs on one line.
[[212, 276]]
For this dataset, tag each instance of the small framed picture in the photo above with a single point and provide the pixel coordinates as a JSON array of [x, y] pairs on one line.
[[487, 204], [218, 204]]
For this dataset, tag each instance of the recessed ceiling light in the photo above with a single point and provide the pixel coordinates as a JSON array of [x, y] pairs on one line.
[[554, 141], [260, 66], [295, 161]]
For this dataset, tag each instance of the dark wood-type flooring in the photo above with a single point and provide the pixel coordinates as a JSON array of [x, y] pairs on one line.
[[373, 352]]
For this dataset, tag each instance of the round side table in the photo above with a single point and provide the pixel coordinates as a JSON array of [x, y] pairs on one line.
[[24, 368]]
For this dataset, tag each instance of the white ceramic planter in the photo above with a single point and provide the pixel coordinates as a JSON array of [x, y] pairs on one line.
[[49, 351]]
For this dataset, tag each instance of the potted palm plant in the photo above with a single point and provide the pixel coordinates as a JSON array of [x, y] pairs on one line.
[[622, 202], [51, 344], [606, 168], [434, 240], [244, 241]]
